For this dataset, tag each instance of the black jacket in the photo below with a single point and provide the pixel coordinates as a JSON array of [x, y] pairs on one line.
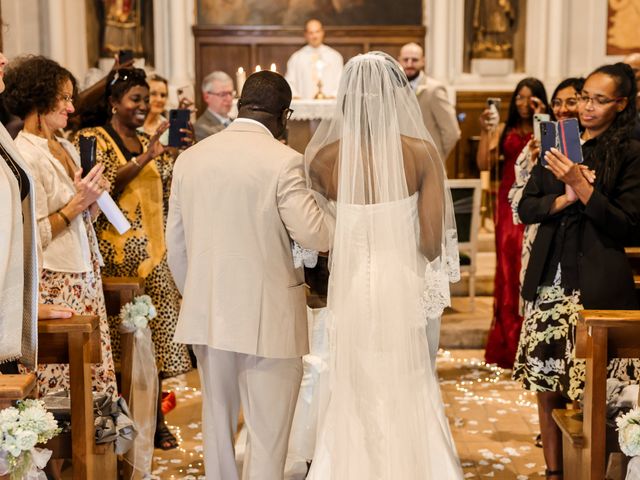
[[604, 226]]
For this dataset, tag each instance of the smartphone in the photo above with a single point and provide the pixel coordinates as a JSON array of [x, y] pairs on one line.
[[125, 56], [569, 139], [497, 101], [87, 153], [537, 118], [548, 139], [178, 119]]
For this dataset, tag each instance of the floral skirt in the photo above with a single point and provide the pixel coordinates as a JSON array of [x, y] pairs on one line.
[[545, 361], [83, 293]]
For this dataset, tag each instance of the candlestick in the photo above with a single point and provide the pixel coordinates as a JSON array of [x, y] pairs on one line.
[[241, 77], [273, 67]]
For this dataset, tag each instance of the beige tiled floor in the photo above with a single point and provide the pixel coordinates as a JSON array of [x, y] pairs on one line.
[[492, 420]]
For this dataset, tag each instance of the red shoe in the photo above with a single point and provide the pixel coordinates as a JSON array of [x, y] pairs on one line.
[[168, 402]]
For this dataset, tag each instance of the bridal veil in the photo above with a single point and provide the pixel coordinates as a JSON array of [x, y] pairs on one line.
[[376, 171]]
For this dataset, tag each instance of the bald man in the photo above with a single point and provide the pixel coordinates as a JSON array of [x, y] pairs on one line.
[[633, 60], [312, 63], [438, 113]]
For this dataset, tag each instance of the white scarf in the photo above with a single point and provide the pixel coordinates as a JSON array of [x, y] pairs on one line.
[[18, 265]]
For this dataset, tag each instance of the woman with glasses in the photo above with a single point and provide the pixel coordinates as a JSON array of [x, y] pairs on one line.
[[578, 259], [41, 92], [508, 140], [140, 172]]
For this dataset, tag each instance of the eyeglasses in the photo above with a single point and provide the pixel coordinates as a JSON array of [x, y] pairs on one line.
[[288, 112], [569, 103], [223, 94], [522, 98], [597, 101], [66, 98]]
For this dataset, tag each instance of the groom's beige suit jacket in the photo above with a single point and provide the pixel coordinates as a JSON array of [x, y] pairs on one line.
[[237, 200]]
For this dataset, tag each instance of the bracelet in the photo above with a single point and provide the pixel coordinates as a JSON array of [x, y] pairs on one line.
[[64, 217], [135, 161]]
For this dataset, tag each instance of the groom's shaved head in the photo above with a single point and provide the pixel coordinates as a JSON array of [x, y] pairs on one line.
[[266, 91]]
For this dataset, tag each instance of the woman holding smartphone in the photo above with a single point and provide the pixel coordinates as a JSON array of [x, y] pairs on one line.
[[140, 170], [508, 140], [578, 259]]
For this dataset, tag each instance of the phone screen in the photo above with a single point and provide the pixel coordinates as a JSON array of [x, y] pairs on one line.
[[87, 153], [125, 56], [569, 139], [548, 139], [178, 119]]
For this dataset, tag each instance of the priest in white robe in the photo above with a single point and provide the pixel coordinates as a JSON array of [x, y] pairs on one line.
[[314, 64]]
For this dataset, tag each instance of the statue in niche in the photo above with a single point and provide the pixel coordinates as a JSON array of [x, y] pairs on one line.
[[493, 28], [624, 17], [122, 26]]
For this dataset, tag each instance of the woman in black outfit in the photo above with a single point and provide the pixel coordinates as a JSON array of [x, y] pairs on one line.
[[578, 259]]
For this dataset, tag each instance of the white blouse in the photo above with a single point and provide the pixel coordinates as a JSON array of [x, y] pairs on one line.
[[69, 251]]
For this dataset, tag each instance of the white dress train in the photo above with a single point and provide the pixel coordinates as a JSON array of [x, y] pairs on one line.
[[385, 417]]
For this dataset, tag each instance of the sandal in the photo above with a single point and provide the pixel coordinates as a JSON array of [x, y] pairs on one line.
[[164, 439], [553, 473]]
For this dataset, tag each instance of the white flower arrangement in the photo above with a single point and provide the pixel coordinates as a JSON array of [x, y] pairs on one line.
[[21, 428], [629, 432], [136, 315]]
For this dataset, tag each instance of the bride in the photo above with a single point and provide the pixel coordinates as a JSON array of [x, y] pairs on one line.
[[376, 170]]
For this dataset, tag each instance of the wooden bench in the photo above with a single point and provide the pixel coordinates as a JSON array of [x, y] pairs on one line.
[[601, 335], [15, 387], [76, 341]]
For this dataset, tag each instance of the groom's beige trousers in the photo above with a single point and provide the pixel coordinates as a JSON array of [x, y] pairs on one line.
[[267, 389]]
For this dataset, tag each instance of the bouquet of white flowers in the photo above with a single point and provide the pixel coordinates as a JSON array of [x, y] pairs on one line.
[[629, 432], [21, 428], [136, 314]]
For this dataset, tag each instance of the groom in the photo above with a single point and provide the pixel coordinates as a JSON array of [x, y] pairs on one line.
[[237, 200]]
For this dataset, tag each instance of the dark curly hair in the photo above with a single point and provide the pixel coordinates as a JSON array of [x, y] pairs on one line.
[[33, 83], [612, 142]]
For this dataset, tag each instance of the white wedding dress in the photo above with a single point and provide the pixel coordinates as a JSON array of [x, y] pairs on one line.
[[385, 418]]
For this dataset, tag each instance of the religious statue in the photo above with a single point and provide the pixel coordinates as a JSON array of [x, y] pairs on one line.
[[122, 28], [622, 35], [493, 28]]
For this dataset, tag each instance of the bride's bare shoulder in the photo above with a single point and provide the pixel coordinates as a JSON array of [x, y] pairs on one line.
[[417, 147]]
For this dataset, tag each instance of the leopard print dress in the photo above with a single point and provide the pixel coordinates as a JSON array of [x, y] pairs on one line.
[[141, 251]]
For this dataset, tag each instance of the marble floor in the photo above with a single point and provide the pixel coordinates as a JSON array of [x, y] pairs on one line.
[[493, 422]]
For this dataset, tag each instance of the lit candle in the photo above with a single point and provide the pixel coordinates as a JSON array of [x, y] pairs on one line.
[[241, 77], [258, 68], [273, 67]]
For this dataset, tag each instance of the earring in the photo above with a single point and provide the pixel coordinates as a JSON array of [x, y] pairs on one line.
[[113, 110]]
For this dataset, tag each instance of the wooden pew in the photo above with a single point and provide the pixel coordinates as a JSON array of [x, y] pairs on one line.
[[76, 341], [15, 387], [601, 336], [118, 291]]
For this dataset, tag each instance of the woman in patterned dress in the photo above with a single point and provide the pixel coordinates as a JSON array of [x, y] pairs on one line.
[[508, 140], [578, 259], [140, 169], [41, 92], [564, 105]]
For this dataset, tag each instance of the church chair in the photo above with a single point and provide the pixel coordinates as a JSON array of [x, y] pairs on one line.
[[601, 336], [76, 341], [466, 194]]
